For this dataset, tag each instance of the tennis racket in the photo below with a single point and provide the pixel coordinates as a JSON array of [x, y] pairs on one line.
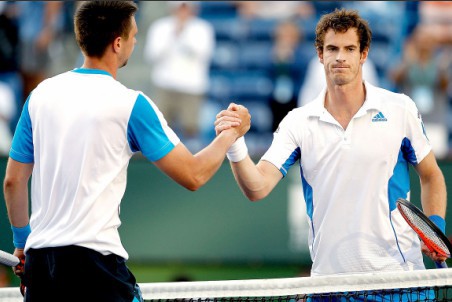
[[430, 234], [11, 260], [8, 259]]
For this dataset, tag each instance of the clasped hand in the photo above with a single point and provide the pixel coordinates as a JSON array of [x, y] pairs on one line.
[[236, 117], [431, 254]]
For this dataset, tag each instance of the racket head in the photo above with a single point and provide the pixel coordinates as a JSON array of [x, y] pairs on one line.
[[429, 233]]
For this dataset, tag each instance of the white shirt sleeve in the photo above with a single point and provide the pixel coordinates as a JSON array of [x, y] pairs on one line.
[[285, 149]]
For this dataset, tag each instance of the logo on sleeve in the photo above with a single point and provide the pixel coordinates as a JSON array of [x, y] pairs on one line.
[[379, 117]]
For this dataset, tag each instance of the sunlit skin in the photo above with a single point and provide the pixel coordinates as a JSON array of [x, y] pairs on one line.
[[342, 62], [341, 57], [128, 44], [116, 54]]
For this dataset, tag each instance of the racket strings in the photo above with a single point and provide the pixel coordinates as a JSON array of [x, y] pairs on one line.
[[430, 238]]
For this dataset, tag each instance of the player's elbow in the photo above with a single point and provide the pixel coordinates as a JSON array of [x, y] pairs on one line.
[[254, 199], [194, 183], [255, 195], [9, 184], [192, 187]]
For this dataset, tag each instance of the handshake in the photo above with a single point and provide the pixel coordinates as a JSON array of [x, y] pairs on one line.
[[236, 118]]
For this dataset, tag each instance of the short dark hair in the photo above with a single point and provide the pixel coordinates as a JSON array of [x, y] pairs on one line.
[[98, 23], [340, 21]]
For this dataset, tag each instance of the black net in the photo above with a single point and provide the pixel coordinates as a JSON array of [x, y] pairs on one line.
[[438, 294]]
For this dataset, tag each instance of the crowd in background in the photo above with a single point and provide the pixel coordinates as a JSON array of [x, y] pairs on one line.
[[199, 56]]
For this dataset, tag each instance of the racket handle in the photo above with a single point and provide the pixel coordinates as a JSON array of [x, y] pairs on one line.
[[441, 264], [8, 259]]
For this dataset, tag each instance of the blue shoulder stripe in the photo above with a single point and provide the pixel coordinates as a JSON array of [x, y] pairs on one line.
[[145, 132], [22, 149], [290, 161]]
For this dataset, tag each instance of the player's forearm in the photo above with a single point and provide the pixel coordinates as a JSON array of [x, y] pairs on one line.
[[433, 195], [16, 198], [250, 179], [209, 160], [15, 188]]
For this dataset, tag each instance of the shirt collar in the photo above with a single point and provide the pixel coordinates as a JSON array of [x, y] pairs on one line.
[[372, 98], [91, 71], [372, 101]]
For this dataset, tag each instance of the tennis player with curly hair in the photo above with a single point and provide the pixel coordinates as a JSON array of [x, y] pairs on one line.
[[354, 143]]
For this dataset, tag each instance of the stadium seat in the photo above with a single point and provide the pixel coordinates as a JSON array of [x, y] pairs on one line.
[[216, 9], [225, 56], [261, 115], [220, 87], [251, 84], [261, 29], [380, 54], [229, 29], [255, 55]]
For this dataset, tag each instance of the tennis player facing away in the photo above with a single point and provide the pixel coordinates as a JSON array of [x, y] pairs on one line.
[[354, 144], [76, 135]]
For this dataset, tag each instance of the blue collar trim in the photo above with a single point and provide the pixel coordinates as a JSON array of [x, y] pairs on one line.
[[91, 71]]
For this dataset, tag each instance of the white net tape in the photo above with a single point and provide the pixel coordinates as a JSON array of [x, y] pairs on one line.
[[300, 285], [282, 286]]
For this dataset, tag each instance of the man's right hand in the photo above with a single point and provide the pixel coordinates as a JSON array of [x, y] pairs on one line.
[[19, 269], [236, 117]]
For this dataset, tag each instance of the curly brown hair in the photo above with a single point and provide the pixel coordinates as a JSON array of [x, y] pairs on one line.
[[340, 21]]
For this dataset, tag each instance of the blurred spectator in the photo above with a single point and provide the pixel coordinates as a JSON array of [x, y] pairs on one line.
[[376, 9], [39, 23], [275, 9], [179, 49], [7, 111], [9, 57], [286, 69], [423, 76], [314, 80], [411, 16], [436, 19]]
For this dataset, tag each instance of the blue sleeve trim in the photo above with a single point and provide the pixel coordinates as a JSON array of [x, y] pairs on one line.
[[408, 152], [294, 156], [439, 222], [145, 132], [22, 149], [399, 183]]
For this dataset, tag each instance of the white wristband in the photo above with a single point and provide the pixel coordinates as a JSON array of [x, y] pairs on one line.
[[238, 151]]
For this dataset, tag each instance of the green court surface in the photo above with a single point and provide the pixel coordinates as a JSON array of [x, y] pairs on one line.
[[209, 272], [170, 272]]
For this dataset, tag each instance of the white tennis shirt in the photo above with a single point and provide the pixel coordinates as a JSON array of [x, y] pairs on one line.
[[80, 129], [352, 178]]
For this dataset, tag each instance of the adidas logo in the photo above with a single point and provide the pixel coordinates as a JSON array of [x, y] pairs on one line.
[[379, 117]]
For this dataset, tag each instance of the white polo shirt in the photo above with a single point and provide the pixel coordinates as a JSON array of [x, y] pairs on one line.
[[352, 178], [80, 129]]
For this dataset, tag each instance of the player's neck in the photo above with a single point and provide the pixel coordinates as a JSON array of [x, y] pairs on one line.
[[102, 64], [344, 101]]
